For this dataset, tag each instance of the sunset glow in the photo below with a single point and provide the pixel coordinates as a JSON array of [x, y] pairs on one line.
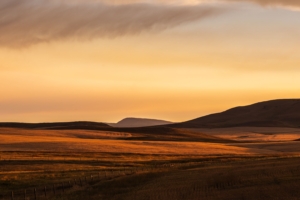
[[103, 60]]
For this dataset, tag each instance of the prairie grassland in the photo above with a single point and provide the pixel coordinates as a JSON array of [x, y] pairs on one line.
[[132, 176], [146, 169], [254, 134], [72, 141], [27, 170], [248, 179]]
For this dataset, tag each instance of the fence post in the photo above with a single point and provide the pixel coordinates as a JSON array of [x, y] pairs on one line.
[[45, 191], [35, 194], [24, 194], [12, 195], [54, 189]]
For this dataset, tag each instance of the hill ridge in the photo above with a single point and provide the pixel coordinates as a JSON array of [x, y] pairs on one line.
[[55, 125], [273, 113]]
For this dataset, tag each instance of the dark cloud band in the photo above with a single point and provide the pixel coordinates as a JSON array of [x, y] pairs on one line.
[[28, 22]]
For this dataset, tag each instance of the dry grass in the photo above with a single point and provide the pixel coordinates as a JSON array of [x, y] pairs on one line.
[[62, 141], [254, 134], [158, 169], [226, 180]]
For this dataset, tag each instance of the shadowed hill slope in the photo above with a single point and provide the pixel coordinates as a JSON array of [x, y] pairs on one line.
[[139, 122], [275, 113], [158, 133], [56, 125], [154, 133]]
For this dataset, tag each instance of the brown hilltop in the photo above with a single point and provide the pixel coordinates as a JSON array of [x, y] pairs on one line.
[[275, 113]]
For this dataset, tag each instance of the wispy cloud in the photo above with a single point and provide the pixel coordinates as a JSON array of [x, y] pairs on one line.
[[286, 3], [118, 2], [279, 3], [28, 22]]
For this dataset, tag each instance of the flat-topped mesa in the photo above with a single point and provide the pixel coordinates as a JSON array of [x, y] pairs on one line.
[[139, 122]]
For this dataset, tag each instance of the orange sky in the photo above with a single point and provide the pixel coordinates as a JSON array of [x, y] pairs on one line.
[[174, 60]]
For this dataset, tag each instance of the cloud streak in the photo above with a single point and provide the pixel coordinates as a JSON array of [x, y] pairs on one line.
[[28, 22], [280, 3], [285, 3]]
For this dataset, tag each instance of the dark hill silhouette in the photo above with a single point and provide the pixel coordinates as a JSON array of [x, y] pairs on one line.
[[154, 133], [159, 133], [57, 125], [139, 122], [275, 113]]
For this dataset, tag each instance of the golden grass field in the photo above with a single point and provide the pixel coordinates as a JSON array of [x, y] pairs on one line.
[[250, 141], [258, 161], [256, 134]]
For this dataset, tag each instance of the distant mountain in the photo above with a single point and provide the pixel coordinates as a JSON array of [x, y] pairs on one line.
[[139, 122], [275, 113], [57, 125]]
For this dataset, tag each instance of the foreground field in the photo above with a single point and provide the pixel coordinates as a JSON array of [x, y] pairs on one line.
[[230, 180], [86, 164], [136, 177]]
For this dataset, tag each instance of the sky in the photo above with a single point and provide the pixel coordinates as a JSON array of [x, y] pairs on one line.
[[104, 60]]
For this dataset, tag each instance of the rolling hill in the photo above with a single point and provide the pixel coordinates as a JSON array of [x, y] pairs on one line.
[[56, 125], [97, 130], [274, 113]]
